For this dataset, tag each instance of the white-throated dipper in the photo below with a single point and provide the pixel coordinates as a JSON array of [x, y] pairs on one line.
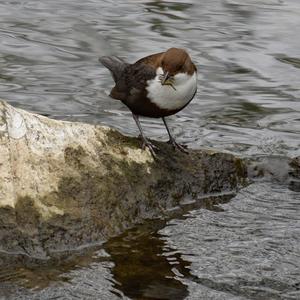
[[155, 86]]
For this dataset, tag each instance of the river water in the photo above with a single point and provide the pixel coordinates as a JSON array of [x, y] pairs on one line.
[[244, 246]]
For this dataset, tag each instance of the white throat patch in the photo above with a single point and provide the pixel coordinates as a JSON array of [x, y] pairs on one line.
[[166, 97]]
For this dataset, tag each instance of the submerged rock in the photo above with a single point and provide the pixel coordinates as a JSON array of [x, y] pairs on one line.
[[67, 184]]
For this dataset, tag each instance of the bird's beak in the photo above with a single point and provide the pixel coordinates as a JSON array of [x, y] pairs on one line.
[[165, 78]]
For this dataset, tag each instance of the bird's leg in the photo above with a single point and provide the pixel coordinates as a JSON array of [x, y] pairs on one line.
[[145, 142], [172, 140]]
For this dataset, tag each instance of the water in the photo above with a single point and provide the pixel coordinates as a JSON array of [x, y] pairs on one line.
[[248, 57]]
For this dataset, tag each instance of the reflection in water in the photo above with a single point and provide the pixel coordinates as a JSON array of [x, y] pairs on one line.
[[145, 268], [140, 264]]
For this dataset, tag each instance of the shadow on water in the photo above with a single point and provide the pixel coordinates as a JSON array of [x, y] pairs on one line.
[[142, 266]]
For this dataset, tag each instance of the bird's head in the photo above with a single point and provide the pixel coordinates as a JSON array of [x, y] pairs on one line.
[[173, 62]]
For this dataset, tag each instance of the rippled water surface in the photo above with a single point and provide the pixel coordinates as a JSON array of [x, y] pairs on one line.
[[248, 56]]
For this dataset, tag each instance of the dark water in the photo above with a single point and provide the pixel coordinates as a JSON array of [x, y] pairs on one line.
[[248, 57]]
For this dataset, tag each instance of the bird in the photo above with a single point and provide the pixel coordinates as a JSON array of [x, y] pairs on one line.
[[155, 86]]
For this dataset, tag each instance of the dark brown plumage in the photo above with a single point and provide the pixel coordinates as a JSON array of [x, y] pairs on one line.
[[155, 86]]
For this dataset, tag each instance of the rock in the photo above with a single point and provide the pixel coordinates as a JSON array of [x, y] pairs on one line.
[[294, 172], [275, 168], [64, 185]]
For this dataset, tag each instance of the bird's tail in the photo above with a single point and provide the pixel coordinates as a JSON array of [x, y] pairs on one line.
[[114, 64]]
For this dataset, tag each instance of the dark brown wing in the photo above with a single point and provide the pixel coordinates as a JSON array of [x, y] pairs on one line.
[[131, 86]]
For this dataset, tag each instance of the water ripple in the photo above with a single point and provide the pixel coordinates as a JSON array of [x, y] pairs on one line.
[[249, 249]]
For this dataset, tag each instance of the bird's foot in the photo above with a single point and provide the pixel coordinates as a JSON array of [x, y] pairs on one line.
[[152, 148], [182, 148]]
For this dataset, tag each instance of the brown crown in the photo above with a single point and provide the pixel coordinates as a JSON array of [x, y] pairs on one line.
[[176, 60]]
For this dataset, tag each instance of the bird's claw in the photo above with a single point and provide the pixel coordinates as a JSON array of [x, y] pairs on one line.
[[182, 148], [152, 148]]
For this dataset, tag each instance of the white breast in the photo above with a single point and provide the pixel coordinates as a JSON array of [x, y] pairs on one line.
[[166, 97]]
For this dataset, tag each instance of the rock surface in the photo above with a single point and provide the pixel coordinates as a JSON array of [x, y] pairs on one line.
[[66, 184]]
